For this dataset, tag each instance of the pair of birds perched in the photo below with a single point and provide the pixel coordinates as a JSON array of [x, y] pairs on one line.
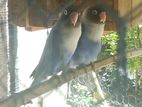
[[74, 40]]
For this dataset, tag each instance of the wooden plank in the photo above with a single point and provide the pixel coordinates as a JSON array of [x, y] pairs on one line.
[[17, 10], [136, 12], [35, 18], [110, 24], [124, 8]]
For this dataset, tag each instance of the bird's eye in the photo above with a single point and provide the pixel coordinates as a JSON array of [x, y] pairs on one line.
[[65, 12], [94, 12]]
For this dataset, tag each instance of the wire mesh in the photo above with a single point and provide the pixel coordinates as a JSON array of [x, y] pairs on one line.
[[3, 50]]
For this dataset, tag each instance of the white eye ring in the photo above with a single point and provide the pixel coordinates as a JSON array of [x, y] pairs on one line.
[[94, 12], [65, 12]]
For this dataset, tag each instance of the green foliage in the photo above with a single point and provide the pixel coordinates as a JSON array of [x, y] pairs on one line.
[[134, 41], [134, 64], [134, 37], [109, 45], [118, 92], [80, 95]]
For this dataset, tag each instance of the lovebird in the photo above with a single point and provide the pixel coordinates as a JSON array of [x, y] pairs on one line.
[[89, 45], [60, 45]]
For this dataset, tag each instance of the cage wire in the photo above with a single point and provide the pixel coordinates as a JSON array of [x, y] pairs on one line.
[[111, 89], [112, 85], [3, 50], [3, 81], [8, 76]]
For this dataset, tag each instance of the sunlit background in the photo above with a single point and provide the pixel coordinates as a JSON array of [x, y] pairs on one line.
[[30, 47]]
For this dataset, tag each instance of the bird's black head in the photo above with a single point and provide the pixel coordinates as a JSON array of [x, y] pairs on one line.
[[96, 14], [71, 15]]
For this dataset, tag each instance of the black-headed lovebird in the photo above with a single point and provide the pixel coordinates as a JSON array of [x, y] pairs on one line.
[[60, 45], [89, 45]]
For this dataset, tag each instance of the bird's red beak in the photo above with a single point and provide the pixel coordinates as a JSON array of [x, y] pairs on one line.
[[74, 17], [102, 17]]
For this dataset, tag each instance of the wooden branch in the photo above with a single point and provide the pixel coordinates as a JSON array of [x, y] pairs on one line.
[[98, 86], [25, 96]]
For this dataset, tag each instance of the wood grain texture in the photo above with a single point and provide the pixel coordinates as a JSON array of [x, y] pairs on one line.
[[45, 13]]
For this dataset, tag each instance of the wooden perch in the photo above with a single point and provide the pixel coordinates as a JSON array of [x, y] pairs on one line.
[[25, 96]]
